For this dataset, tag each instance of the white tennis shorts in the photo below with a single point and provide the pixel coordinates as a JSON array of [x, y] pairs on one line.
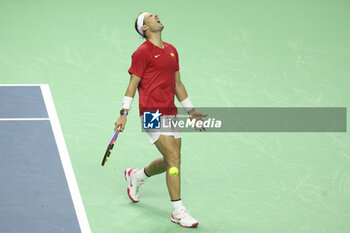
[[153, 135]]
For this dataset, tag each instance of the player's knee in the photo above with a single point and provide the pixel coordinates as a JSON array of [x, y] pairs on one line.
[[174, 159]]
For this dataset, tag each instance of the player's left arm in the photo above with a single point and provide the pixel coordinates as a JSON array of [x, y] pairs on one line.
[[180, 90], [182, 97]]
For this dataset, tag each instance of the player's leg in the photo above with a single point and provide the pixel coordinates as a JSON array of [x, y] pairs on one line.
[[178, 143], [170, 150], [156, 167], [159, 165]]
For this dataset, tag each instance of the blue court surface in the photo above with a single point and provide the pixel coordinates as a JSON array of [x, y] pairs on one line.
[[38, 193]]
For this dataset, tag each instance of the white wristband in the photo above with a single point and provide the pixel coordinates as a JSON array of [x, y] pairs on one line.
[[127, 101], [186, 103]]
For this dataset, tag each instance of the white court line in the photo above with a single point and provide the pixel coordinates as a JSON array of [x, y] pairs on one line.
[[66, 163], [24, 119]]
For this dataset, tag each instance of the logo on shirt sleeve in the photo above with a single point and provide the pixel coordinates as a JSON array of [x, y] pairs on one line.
[[172, 54], [151, 120]]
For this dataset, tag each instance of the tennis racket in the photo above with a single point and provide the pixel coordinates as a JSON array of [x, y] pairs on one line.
[[110, 147]]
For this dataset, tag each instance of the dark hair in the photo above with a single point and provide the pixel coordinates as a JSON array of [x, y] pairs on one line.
[[145, 37]]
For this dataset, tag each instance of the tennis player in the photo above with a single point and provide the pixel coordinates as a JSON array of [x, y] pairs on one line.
[[155, 73]]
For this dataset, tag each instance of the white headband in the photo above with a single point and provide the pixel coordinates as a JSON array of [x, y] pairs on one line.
[[140, 23]]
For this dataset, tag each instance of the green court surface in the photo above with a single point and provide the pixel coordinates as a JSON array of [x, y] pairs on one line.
[[232, 54]]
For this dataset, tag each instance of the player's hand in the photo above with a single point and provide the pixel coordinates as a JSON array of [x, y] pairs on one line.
[[120, 122], [198, 117]]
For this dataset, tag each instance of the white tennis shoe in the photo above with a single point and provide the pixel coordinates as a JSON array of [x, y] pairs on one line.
[[182, 217], [133, 183]]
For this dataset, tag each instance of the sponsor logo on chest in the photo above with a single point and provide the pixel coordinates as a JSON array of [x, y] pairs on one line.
[[171, 54]]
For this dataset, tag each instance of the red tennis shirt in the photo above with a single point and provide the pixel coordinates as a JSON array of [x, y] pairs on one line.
[[156, 67]]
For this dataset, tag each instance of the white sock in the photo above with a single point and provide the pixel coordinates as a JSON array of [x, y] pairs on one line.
[[176, 204], [141, 175]]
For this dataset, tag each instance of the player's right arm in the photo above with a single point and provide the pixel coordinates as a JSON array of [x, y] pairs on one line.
[[130, 92]]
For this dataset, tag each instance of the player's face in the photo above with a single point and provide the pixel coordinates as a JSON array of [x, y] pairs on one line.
[[153, 22]]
